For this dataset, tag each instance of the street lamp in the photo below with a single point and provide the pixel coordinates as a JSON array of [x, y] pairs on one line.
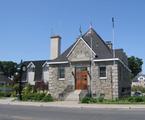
[[21, 69]]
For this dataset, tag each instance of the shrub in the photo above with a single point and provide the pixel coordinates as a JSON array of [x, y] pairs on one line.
[[127, 100], [1, 94], [5, 94], [130, 99], [138, 88], [47, 98], [138, 99], [37, 97], [100, 99], [86, 100]]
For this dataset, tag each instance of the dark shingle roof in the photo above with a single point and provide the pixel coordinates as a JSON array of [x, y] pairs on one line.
[[38, 69], [98, 46]]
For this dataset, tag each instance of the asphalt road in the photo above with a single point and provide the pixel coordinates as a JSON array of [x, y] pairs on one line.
[[12, 112]]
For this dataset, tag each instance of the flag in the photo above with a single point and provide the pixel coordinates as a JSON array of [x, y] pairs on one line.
[[113, 22]]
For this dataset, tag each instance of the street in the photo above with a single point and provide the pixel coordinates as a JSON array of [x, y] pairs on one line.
[[16, 112]]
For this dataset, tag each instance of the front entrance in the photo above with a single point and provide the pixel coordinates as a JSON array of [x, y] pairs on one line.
[[81, 78]]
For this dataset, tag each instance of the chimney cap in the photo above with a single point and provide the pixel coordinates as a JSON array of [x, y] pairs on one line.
[[55, 36]]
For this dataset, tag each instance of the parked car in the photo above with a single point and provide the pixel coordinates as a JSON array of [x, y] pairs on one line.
[[138, 93]]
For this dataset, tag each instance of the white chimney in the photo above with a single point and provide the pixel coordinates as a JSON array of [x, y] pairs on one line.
[[55, 46]]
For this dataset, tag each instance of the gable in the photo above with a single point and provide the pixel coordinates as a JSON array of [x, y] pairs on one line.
[[141, 78], [81, 52], [31, 65], [93, 42], [99, 46]]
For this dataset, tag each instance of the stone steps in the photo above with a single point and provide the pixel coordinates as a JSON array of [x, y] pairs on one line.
[[74, 96]]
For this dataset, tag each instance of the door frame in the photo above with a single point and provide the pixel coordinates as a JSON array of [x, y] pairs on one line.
[[76, 67]]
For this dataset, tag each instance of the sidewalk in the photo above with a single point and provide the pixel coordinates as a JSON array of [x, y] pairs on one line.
[[71, 104]]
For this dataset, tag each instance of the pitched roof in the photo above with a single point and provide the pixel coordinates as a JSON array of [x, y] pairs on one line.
[[98, 46], [135, 79], [38, 69]]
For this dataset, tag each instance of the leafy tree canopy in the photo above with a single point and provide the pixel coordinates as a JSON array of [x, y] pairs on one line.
[[135, 64], [8, 67]]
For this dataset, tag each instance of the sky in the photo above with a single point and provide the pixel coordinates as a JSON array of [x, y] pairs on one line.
[[27, 25]]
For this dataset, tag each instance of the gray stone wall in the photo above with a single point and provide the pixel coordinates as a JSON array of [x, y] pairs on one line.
[[107, 86], [115, 82], [81, 52], [56, 85], [111, 86]]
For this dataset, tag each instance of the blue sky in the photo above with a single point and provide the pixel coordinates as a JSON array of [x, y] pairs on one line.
[[26, 25]]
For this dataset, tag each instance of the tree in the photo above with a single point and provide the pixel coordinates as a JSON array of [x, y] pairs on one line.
[[135, 65], [8, 67]]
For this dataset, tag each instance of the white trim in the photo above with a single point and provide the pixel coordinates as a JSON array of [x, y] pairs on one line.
[[77, 43], [61, 79], [102, 78], [31, 63], [113, 59], [63, 62], [105, 72], [46, 63]]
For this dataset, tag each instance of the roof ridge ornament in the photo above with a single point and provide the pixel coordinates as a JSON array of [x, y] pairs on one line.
[[91, 26], [80, 30]]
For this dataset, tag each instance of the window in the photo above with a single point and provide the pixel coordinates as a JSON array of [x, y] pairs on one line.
[[61, 72], [103, 72]]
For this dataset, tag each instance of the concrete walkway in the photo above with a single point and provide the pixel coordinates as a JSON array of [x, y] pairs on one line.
[[71, 104]]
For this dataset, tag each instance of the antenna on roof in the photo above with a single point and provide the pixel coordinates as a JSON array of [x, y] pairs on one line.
[[80, 30], [113, 38]]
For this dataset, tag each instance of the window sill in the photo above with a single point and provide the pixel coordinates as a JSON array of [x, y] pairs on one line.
[[103, 78], [61, 79]]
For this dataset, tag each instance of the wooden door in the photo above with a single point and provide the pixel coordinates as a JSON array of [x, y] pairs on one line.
[[81, 78]]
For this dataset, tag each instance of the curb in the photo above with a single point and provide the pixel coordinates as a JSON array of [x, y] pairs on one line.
[[74, 105]]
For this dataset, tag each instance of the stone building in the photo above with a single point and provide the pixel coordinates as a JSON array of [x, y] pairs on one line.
[[86, 67]]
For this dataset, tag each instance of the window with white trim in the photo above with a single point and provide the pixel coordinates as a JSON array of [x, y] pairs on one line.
[[102, 73], [61, 72]]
